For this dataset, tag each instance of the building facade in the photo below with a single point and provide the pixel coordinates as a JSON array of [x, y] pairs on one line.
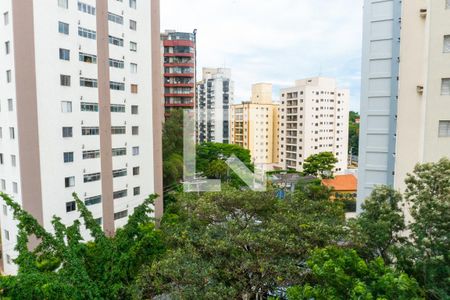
[[313, 119], [423, 125], [405, 83], [179, 69], [379, 94], [254, 125], [215, 93], [87, 124]]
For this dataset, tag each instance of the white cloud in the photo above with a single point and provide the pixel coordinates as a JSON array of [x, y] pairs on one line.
[[275, 41]]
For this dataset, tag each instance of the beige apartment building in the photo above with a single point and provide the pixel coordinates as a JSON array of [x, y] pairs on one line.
[[313, 119], [254, 125]]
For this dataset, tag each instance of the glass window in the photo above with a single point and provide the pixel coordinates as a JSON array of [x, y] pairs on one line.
[[118, 130], [63, 4], [91, 154], [447, 44], [117, 86], [88, 58], [133, 4], [10, 105], [134, 88], [136, 171], [120, 214], [134, 109], [71, 206], [89, 131], [120, 108], [67, 132], [7, 47], [120, 173], [135, 151], [68, 157], [133, 25], [136, 191], [91, 177], [6, 18], [88, 82], [133, 68], [120, 194], [64, 54], [86, 8], [133, 46], [87, 106], [119, 151], [445, 87], [87, 33], [63, 28], [66, 106], [135, 130], [444, 128], [13, 160], [92, 200], [15, 188], [65, 80], [69, 181], [114, 63], [115, 18], [115, 41], [12, 134], [8, 76]]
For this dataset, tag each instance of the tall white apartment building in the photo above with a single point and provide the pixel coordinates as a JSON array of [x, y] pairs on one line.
[[77, 79], [313, 119], [405, 108], [215, 93]]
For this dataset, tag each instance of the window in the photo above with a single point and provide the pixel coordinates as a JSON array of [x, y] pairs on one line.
[[12, 134], [6, 18], [133, 46], [134, 109], [68, 157], [114, 63], [115, 41], [15, 188], [135, 151], [117, 86], [8, 259], [133, 68], [447, 43], [119, 151], [133, 4], [92, 200], [91, 154], [120, 194], [88, 82], [65, 80], [64, 54], [88, 58], [136, 191], [133, 25], [1, 158], [87, 33], [63, 28], [66, 106], [87, 106], [10, 105], [7, 47], [89, 131], [3, 184], [135, 130], [120, 173], [118, 130], [115, 18], [444, 128], [5, 210], [67, 132], [69, 181], [120, 214], [6, 234], [120, 108], [71, 206], [8, 76], [136, 171], [13, 160], [134, 88], [91, 177], [445, 87], [63, 4], [448, 4], [86, 8]]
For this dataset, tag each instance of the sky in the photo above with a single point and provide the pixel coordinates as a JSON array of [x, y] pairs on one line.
[[275, 41]]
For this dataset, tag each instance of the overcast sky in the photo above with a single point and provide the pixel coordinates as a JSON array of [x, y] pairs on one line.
[[276, 41]]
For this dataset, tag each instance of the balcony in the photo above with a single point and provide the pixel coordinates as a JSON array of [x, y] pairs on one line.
[[191, 75]]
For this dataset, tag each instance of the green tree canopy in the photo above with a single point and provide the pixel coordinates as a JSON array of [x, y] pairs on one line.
[[321, 164], [336, 273]]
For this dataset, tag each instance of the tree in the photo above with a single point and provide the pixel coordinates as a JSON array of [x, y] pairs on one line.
[[378, 230], [353, 133], [335, 273], [428, 257], [321, 164], [239, 244], [211, 159], [173, 149], [64, 266]]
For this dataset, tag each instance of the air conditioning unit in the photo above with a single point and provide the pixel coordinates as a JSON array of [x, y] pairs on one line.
[[420, 89]]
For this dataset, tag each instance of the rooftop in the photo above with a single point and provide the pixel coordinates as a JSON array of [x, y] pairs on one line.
[[342, 183]]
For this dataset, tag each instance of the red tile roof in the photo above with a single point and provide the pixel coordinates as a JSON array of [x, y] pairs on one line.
[[342, 183]]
